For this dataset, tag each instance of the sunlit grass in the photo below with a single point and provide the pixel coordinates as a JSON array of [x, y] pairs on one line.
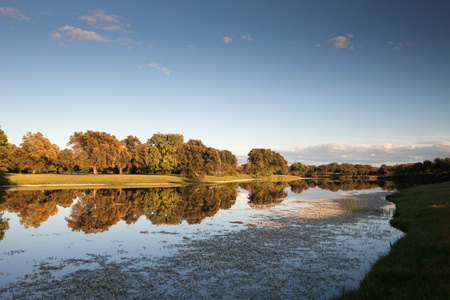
[[418, 265], [122, 180], [116, 179]]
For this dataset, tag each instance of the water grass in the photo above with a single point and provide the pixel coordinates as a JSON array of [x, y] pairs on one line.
[[354, 204], [418, 264]]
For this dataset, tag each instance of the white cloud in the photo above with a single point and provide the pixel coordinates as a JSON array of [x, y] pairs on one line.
[[99, 19], [376, 155], [159, 68], [227, 40], [247, 37], [77, 34], [14, 14], [56, 35], [190, 46], [341, 42]]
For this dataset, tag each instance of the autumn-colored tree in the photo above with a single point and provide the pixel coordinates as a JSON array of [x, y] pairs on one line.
[[65, 160], [16, 159], [191, 157], [228, 163], [298, 169], [4, 151], [267, 162], [95, 149], [123, 159], [167, 144], [137, 152], [38, 150]]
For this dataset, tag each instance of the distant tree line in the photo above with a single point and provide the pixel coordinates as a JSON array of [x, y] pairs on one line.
[[101, 152]]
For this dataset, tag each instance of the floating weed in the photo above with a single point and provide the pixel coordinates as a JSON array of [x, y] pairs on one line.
[[354, 204]]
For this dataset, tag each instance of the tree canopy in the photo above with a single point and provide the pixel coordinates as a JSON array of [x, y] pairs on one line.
[[95, 149], [38, 149]]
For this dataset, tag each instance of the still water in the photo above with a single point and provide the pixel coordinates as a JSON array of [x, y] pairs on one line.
[[330, 232]]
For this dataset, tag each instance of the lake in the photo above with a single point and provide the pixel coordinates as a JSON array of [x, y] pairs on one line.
[[302, 239]]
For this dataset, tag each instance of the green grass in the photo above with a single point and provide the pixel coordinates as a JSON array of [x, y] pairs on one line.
[[418, 265], [116, 180], [87, 179]]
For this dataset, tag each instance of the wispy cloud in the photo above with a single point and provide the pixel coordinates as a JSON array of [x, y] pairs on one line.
[[77, 34], [376, 155], [13, 14], [227, 40], [99, 19], [158, 67], [342, 42], [190, 46], [398, 46], [247, 37]]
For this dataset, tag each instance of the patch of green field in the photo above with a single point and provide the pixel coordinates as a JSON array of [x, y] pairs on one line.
[[87, 179], [418, 265]]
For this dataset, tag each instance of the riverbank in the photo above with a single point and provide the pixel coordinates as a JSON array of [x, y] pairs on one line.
[[418, 265]]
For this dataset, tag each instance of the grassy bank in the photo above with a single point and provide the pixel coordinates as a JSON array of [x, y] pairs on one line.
[[120, 180], [418, 265]]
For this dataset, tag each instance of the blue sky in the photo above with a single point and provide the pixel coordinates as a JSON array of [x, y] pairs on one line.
[[319, 81]]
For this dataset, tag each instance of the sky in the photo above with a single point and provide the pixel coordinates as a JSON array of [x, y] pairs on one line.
[[318, 81]]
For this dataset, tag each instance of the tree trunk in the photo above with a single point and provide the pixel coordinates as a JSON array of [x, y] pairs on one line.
[[120, 171], [94, 168], [34, 169]]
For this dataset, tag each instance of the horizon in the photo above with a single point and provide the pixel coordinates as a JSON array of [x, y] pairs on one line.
[[320, 82]]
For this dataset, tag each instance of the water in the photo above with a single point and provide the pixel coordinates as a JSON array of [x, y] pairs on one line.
[[55, 233]]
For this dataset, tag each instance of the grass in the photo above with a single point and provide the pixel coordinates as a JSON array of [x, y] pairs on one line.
[[418, 265], [117, 180]]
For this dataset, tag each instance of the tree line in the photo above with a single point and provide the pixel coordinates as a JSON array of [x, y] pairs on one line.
[[101, 152]]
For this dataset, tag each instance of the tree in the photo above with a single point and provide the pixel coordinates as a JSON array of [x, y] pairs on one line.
[[137, 152], [4, 151], [65, 160], [267, 162], [191, 157], [123, 159], [38, 149], [95, 149], [167, 145], [298, 169]]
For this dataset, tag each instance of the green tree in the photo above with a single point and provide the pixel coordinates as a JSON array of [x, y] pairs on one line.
[[5, 149], [137, 152], [298, 169], [267, 162], [95, 149], [167, 145], [65, 160], [38, 150]]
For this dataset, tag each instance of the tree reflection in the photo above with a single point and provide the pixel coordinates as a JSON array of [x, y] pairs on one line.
[[300, 186], [202, 201], [265, 193], [35, 207], [161, 206], [98, 210]]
